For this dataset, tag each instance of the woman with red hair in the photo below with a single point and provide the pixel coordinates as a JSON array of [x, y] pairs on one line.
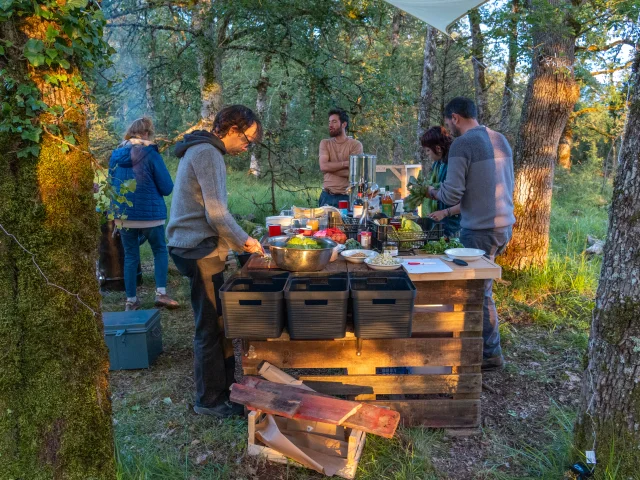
[[436, 142]]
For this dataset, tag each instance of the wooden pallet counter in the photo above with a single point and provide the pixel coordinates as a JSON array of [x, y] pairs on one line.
[[446, 346]]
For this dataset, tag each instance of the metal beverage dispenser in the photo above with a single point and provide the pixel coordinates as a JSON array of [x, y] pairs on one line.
[[362, 173]]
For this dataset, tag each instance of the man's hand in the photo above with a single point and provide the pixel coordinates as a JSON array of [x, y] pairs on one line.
[[253, 246], [432, 192], [438, 216]]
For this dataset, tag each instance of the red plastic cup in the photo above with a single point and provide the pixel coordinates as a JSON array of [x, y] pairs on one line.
[[275, 230], [343, 204]]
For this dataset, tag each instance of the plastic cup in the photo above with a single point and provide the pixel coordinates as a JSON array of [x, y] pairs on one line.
[[275, 230]]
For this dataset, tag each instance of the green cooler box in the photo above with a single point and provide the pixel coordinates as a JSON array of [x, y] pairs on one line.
[[134, 338]]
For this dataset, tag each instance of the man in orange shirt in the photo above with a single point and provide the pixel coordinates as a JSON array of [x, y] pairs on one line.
[[334, 159]]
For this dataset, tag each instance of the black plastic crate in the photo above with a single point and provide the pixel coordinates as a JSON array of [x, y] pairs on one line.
[[348, 225], [253, 307], [407, 241], [382, 305], [380, 235], [317, 306]]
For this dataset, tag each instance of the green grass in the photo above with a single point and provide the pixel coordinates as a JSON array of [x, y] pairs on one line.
[[548, 462]]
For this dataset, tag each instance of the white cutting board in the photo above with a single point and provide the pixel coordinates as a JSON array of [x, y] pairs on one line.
[[427, 265]]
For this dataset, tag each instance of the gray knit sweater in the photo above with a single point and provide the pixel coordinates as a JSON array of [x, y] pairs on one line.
[[199, 206], [480, 178]]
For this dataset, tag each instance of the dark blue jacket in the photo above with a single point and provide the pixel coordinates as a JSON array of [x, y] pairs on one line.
[[153, 181]]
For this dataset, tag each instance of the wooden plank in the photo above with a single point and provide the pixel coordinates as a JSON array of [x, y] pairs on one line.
[[409, 352], [258, 262], [369, 418], [425, 321], [330, 387], [449, 292], [467, 369], [337, 266], [274, 374], [285, 405], [392, 384], [436, 413], [480, 269]]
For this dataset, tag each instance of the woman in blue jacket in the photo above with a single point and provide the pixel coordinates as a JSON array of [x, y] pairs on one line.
[[137, 158]]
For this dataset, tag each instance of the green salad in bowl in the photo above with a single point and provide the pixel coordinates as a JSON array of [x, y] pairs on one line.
[[303, 244]]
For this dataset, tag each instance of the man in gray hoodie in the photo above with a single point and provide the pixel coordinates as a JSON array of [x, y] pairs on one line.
[[480, 178], [201, 231]]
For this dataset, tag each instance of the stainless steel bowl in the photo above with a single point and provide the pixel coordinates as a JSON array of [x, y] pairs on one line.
[[298, 260]]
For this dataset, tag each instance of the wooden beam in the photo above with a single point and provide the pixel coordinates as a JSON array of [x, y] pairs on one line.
[[400, 352], [395, 384], [425, 321], [261, 395], [436, 413], [447, 292]]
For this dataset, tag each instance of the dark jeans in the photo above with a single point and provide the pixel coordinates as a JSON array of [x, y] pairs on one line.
[[493, 242], [331, 200], [131, 241], [213, 373]]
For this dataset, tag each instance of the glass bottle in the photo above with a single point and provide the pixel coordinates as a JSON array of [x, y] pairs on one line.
[[386, 203], [358, 206]]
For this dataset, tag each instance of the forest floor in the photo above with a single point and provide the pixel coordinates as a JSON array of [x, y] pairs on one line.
[[527, 409]]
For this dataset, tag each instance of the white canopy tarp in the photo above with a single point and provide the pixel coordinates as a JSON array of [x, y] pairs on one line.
[[437, 13]]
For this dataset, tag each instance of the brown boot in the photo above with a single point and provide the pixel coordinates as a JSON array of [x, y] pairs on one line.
[[131, 306], [166, 301], [492, 363]]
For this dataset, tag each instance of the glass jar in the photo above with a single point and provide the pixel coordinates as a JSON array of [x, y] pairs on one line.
[[313, 223], [391, 248], [365, 239]]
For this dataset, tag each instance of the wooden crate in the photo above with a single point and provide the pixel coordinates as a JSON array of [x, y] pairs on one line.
[[447, 336], [345, 443]]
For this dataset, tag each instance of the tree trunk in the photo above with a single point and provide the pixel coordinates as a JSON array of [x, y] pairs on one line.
[[151, 90], [395, 29], [564, 146], [609, 419], [551, 95], [506, 107], [396, 147], [261, 108], [396, 152], [284, 109], [426, 93], [210, 64], [54, 391], [479, 80]]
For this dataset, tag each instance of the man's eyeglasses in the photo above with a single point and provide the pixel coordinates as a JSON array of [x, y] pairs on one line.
[[250, 144]]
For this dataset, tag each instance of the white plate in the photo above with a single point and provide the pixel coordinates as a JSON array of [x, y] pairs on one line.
[[466, 254], [382, 267], [347, 254]]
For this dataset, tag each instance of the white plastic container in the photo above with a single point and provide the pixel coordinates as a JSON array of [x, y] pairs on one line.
[[282, 220]]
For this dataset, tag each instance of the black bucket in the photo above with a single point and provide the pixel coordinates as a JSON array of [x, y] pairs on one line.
[[111, 260]]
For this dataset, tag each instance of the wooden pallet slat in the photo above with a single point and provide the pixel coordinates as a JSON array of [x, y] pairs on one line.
[[450, 292], [436, 413], [409, 352], [394, 384], [427, 321], [259, 395]]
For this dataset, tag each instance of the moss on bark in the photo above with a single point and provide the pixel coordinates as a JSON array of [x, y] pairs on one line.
[[55, 409]]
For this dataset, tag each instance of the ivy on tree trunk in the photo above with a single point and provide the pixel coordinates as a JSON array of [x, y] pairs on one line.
[[55, 407]]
